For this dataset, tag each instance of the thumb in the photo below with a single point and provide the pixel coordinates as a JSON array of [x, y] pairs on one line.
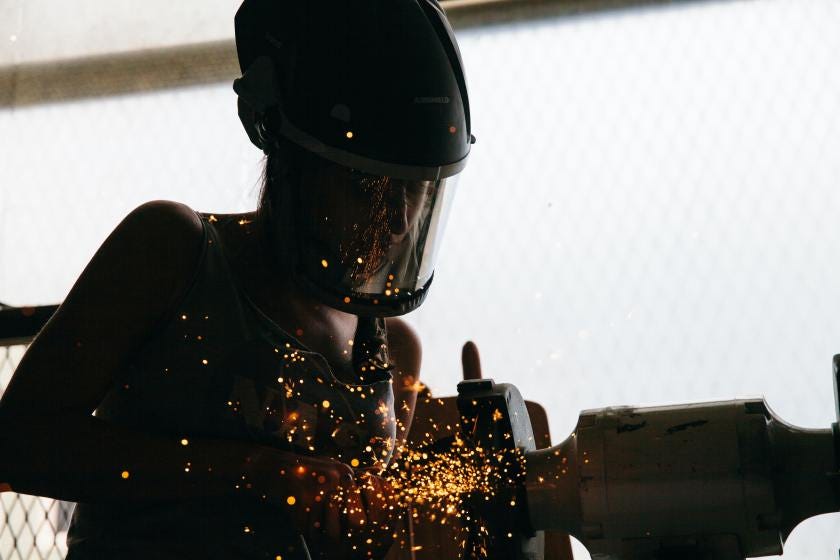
[[470, 361]]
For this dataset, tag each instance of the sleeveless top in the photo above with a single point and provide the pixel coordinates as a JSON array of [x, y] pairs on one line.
[[218, 367]]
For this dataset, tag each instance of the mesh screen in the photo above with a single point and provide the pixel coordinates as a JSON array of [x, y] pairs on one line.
[[31, 527]]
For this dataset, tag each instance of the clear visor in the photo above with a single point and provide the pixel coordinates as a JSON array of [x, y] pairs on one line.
[[371, 238]]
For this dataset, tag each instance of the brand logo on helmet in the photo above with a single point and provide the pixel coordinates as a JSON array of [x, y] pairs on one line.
[[431, 100]]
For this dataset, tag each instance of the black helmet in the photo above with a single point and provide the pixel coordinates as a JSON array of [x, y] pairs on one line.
[[376, 90]]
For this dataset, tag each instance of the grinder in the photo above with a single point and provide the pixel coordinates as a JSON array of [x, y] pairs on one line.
[[722, 480]]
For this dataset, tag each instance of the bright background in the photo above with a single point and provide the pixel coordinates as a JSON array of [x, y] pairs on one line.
[[649, 215]]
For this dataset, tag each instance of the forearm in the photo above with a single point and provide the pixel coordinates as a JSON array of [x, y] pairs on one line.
[[86, 459]]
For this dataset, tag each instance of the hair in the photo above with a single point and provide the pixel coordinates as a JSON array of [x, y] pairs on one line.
[[272, 178], [281, 171], [284, 165]]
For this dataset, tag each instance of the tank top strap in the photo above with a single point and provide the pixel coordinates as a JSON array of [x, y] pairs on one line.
[[216, 287]]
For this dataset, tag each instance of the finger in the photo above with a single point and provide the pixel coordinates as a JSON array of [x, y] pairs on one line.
[[377, 501], [333, 481], [332, 474], [470, 361], [331, 520], [345, 475], [353, 513], [324, 486]]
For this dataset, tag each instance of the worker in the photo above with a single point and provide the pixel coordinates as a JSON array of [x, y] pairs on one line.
[[235, 385]]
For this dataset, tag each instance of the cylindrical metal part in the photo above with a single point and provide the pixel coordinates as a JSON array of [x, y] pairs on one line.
[[804, 473], [552, 488], [649, 479]]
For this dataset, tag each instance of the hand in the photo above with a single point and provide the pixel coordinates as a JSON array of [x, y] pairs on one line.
[[336, 509], [304, 487], [359, 520]]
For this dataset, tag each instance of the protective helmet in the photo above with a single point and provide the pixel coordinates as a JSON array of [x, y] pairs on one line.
[[375, 89]]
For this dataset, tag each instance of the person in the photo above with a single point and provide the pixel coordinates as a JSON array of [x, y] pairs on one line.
[[235, 385]]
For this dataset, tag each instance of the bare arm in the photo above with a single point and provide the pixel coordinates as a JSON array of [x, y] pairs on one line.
[[53, 446], [406, 352]]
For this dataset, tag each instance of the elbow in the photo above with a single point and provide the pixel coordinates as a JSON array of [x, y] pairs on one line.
[[5, 433], [7, 454], [18, 437]]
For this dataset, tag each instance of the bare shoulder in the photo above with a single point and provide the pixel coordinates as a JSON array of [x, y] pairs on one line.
[[153, 252], [406, 353], [167, 220], [129, 285], [404, 345]]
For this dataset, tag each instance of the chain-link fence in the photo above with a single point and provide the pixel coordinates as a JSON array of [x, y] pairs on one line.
[[32, 528]]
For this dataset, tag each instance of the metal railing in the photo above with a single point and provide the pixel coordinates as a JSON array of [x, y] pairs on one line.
[[215, 61]]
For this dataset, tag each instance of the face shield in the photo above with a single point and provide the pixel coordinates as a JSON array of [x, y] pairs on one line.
[[368, 243], [324, 76]]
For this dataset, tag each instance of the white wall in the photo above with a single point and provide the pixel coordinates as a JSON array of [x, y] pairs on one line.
[[649, 215]]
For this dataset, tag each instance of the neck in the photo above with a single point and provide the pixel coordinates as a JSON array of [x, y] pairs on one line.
[[280, 283]]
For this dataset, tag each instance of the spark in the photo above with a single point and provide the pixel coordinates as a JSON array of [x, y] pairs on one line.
[[441, 482]]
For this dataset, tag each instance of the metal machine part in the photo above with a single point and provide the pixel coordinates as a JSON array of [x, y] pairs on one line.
[[721, 480], [495, 421]]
